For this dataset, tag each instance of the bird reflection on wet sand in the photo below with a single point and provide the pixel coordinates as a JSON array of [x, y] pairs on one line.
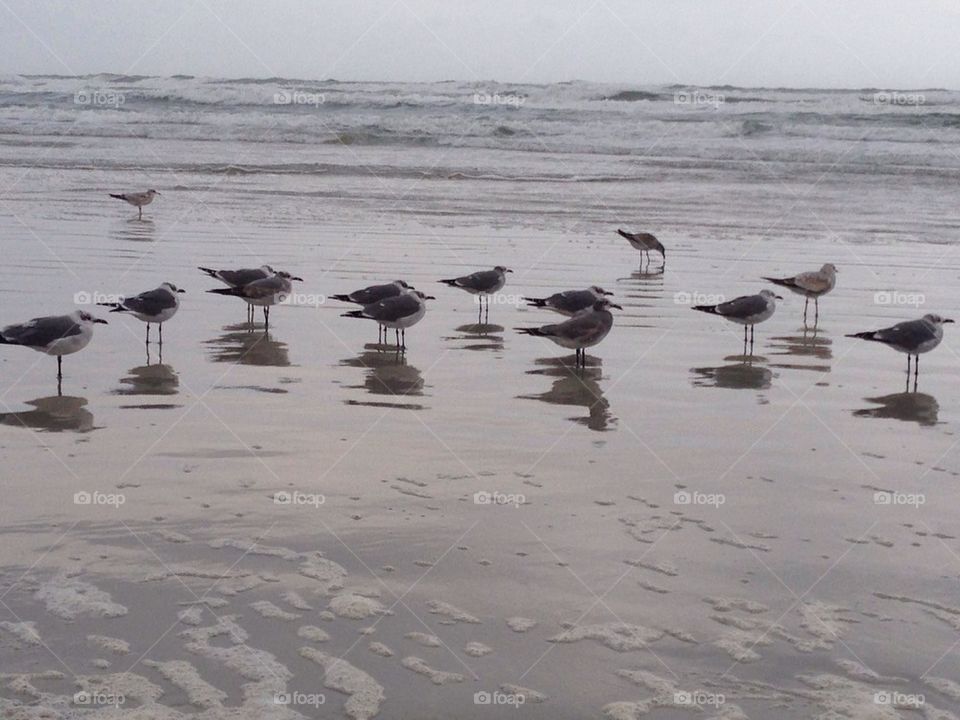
[[387, 374], [579, 387], [134, 230], [743, 373], [915, 407], [480, 336], [54, 414], [151, 379], [242, 345], [640, 289], [812, 344]]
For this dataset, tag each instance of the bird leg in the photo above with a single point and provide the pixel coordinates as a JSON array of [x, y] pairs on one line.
[[140, 213], [816, 310], [752, 330], [806, 304], [59, 367], [403, 338], [160, 331], [266, 317]]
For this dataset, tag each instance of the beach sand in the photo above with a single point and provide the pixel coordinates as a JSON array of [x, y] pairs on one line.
[[674, 530]]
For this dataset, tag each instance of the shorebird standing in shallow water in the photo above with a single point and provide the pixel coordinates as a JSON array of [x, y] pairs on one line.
[[53, 335], [263, 293], [912, 337], [398, 312], [154, 306], [374, 293], [747, 310], [138, 200], [482, 283], [585, 329], [811, 284], [570, 302], [644, 242]]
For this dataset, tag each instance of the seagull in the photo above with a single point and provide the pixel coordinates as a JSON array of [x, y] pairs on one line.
[[373, 293], [811, 284], [53, 335], [138, 200], [482, 283], [264, 292], [570, 302], [154, 306], [644, 242], [237, 278], [398, 312], [912, 337], [747, 310], [583, 330]]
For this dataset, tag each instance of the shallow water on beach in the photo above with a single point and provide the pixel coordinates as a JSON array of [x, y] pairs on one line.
[[676, 528]]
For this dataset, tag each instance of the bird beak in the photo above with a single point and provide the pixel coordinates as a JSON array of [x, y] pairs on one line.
[[181, 291], [98, 320], [294, 277], [431, 297], [948, 320], [618, 307], [607, 292], [779, 297], [508, 270]]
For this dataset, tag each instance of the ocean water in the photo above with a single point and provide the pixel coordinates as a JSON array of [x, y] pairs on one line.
[[301, 524]]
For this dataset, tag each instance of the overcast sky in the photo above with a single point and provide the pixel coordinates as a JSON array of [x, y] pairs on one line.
[[806, 43]]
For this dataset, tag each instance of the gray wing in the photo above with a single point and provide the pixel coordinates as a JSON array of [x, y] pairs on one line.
[[374, 293], [392, 309], [572, 300], [264, 287], [481, 280], [40, 332], [910, 334], [583, 327], [152, 302], [742, 307], [244, 276]]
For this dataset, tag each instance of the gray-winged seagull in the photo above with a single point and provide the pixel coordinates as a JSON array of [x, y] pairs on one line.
[[154, 306], [482, 283], [912, 337], [570, 302], [374, 293], [583, 330], [747, 310], [53, 335], [138, 200], [811, 284], [398, 312], [263, 293]]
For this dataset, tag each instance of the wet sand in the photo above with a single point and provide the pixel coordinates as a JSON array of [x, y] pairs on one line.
[[799, 595]]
